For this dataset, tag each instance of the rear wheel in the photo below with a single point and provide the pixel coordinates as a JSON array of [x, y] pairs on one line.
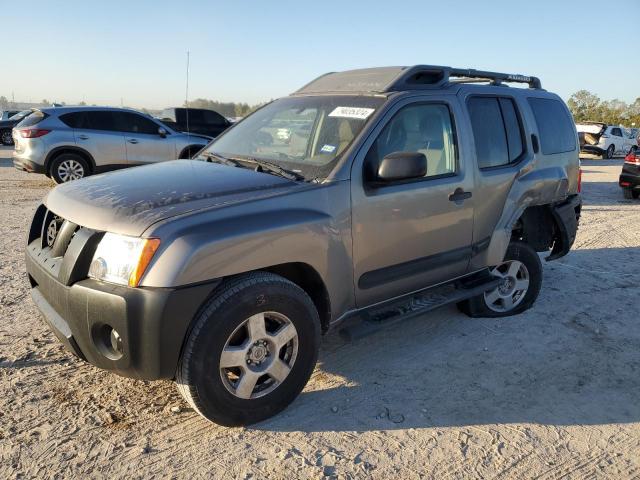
[[251, 351], [630, 194], [67, 167], [521, 279], [610, 152], [6, 138]]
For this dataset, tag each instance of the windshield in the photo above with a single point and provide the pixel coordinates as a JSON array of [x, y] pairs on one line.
[[20, 115], [305, 135]]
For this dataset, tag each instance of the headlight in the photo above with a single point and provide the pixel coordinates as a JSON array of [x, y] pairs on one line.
[[121, 259]]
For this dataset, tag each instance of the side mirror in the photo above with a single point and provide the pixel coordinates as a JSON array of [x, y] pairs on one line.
[[402, 166], [162, 132]]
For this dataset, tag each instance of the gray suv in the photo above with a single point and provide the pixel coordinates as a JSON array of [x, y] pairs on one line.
[[69, 143], [364, 198]]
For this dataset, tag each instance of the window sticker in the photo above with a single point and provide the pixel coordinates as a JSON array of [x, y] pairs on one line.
[[351, 112], [328, 148]]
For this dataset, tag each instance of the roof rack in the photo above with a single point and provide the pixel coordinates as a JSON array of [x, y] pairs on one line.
[[390, 79]]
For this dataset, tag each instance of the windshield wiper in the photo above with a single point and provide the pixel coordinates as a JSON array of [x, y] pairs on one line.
[[271, 167], [216, 157]]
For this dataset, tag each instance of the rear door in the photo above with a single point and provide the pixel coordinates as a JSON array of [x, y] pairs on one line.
[[500, 148], [617, 139], [412, 234], [142, 141], [95, 131]]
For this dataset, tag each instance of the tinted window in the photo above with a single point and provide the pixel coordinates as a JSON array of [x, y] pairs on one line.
[[425, 129], [616, 131], [213, 118], [488, 132], [555, 126], [99, 120], [75, 119], [195, 116], [32, 119], [134, 123], [512, 128]]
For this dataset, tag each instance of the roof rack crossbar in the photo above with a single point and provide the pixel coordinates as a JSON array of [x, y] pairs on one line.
[[437, 76]]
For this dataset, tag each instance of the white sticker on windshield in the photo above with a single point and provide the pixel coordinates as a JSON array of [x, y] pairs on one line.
[[328, 148], [351, 112]]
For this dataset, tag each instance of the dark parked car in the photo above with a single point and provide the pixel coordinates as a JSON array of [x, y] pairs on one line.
[[7, 125], [7, 114], [630, 176], [195, 120]]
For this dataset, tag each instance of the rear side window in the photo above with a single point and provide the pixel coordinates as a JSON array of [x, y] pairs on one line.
[[134, 123], [33, 119], [555, 126], [496, 131], [74, 119], [616, 132]]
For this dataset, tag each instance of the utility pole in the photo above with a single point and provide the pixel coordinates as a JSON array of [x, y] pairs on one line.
[[186, 95]]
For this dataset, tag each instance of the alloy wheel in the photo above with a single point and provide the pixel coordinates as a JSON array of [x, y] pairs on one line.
[[70, 170], [259, 355], [513, 288]]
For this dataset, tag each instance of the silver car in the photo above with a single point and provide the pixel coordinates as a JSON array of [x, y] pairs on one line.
[[68, 143]]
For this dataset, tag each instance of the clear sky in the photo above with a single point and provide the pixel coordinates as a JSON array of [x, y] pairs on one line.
[[252, 51]]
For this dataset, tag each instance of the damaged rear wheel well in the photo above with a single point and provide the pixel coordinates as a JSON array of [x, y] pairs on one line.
[[537, 227]]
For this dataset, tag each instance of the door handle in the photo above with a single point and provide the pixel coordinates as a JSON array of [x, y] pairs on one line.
[[83, 137], [132, 140], [459, 195]]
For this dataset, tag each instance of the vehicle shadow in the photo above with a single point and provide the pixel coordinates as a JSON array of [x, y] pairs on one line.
[[573, 359]]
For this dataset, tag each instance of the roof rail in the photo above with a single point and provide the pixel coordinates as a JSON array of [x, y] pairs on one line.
[[430, 76], [390, 79]]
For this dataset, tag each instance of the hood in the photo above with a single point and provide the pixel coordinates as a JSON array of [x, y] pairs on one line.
[[129, 201]]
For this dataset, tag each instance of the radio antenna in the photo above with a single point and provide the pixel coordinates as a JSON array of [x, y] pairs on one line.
[[186, 95]]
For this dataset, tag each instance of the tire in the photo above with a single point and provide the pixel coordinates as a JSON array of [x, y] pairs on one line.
[[630, 194], [608, 154], [228, 322], [6, 137], [67, 167], [519, 254]]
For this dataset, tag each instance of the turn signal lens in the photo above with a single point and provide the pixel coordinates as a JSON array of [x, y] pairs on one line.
[[149, 248]]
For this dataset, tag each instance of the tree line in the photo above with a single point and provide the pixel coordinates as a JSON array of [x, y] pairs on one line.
[[586, 106], [228, 109]]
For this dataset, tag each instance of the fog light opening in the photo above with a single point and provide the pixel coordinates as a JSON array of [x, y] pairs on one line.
[[108, 341]]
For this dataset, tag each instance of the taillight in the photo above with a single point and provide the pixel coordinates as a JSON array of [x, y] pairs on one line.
[[632, 159], [33, 132]]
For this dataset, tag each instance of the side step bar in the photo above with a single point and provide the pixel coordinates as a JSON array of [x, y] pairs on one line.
[[371, 320]]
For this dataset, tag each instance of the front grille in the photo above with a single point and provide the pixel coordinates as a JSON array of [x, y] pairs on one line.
[[61, 247]]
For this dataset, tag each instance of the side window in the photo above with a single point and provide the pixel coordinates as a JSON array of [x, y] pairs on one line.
[[616, 132], [134, 123], [555, 126], [76, 120], [423, 128], [98, 120], [496, 131], [195, 116], [213, 118]]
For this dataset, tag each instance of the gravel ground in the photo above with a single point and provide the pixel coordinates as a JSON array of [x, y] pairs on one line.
[[547, 394]]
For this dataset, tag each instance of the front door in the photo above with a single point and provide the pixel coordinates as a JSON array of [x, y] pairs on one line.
[[412, 234], [95, 131], [142, 140]]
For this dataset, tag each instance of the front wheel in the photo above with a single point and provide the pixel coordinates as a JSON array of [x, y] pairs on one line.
[[251, 350], [521, 279], [6, 138]]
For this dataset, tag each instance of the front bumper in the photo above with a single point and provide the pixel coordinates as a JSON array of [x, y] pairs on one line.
[[151, 323]]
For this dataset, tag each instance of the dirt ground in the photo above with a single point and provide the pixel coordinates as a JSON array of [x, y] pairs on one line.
[[551, 393]]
